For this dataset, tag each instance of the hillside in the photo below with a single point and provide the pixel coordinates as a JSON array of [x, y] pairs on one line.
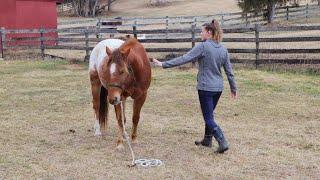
[[142, 8], [176, 7]]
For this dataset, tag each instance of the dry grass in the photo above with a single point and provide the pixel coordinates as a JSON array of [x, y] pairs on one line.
[[273, 128]]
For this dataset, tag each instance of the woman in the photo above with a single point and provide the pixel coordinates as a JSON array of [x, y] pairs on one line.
[[211, 56]]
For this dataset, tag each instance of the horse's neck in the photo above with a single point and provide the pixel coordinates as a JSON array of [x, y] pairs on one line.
[[137, 61]]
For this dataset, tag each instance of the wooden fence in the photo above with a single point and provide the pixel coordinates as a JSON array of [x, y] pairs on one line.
[[258, 35]]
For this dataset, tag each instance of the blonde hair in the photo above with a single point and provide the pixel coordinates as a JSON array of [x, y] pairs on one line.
[[215, 29]]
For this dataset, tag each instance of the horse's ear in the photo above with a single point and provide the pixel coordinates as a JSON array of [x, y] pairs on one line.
[[108, 51], [125, 51], [125, 48]]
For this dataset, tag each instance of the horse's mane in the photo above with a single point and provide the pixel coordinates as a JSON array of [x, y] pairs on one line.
[[131, 42]]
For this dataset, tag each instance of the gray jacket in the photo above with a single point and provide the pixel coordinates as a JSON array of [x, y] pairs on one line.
[[211, 56]]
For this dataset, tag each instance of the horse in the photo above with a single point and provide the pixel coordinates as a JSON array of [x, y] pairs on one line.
[[125, 71], [97, 57]]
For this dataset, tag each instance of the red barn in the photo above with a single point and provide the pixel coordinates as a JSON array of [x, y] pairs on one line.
[[28, 14]]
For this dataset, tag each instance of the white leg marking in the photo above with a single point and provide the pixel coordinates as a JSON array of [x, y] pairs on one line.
[[96, 127]]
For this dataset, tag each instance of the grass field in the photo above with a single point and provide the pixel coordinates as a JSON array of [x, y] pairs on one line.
[[47, 118]]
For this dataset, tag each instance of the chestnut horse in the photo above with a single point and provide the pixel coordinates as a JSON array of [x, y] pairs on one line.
[[124, 72]]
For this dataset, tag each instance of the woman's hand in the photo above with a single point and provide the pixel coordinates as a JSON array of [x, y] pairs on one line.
[[156, 62], [234, 95]]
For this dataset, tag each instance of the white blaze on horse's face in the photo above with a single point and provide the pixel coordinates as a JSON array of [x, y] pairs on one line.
[[113, 68]]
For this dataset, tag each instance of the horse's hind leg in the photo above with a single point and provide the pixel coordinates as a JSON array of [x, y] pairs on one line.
[[95, 89], [137, 105]]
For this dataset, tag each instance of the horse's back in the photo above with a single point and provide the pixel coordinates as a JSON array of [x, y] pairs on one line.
[[99, 51]]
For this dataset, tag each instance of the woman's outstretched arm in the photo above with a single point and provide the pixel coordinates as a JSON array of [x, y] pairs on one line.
[[192, 55]]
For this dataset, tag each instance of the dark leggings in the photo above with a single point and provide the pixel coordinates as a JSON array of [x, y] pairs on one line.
[[208, 101]]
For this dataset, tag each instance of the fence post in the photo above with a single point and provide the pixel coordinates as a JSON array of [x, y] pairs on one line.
[[194, 32], [167, 26], [247, 23], [307, 11], [222, 20], [2, 34], [57, 37], [287, 13], [4, 40], [257, 27], [193, 38], [193, 35], [86, 35], [135, 22], [98, 28], [134, 28], [42, 42]]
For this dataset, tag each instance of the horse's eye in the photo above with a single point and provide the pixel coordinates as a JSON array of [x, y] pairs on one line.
[[121, 72]]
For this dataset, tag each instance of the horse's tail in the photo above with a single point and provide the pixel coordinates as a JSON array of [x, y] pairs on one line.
[[103, 107]]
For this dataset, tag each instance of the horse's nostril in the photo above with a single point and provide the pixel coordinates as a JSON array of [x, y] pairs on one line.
[[114, 101], [111, 101]]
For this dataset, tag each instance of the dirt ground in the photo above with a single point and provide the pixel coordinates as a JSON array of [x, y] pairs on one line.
[[47, 119]]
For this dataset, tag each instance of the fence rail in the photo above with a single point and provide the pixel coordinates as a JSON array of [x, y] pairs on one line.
[[176, 40], [84, 42]]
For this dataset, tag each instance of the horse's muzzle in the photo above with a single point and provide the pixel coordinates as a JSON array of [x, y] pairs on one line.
[[115, 101]]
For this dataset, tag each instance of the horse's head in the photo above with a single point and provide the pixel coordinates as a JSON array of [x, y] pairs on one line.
[[117, 73]]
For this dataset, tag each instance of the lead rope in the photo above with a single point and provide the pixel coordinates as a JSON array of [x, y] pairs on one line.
[[141, 162]]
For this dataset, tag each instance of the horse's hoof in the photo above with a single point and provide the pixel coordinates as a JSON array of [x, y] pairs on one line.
[[97, 134], [120, 147], [135, 141]]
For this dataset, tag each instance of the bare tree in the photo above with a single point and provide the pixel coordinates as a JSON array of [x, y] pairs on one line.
[[260, 5], [85, 7], [159, 2], [109, 5], [317, 1]]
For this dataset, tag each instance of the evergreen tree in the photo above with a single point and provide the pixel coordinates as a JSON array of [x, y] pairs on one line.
[[260, 5]]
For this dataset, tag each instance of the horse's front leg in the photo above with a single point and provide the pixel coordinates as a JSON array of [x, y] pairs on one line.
[[137, 105], [119, 116]]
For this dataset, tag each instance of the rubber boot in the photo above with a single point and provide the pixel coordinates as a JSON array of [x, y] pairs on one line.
[[223, 144], [207, 139]]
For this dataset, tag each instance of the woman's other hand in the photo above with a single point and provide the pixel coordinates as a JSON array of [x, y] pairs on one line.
[[234, 95]]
